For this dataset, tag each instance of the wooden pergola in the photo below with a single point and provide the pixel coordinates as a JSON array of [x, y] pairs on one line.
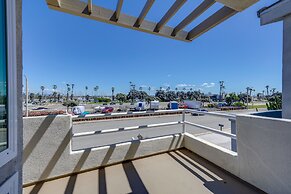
[[117, 17]]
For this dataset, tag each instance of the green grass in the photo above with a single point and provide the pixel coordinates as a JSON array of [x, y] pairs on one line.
[[257, 106]]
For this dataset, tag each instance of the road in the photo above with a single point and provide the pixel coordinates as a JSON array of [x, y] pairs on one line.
[[117, 137]]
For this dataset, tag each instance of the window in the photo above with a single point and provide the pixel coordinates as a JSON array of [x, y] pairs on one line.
[[8, 82], [3, 79]]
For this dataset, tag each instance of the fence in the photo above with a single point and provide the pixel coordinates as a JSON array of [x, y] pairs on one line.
[[182, 122]]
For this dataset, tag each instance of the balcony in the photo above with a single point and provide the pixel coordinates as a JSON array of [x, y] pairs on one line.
[[138, 159]]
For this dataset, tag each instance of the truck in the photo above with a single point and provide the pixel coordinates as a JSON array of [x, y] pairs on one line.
[[154, 105], [192, 104]]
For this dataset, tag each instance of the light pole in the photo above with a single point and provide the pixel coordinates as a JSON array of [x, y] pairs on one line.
[[26, 96]]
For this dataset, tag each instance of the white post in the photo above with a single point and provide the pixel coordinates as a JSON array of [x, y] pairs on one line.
[[286, 88], [183, 121], [233, 131]]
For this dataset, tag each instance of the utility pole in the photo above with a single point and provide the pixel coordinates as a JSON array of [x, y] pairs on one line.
[[26, 96]]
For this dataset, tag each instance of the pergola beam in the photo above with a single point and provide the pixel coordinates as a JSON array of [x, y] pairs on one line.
[[170, 13], [78, 8], [193, 15], [144, 12], [215, 19], [85, 8], [116, 14]]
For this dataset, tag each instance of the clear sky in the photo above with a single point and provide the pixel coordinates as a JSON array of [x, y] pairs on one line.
[[60, 48]]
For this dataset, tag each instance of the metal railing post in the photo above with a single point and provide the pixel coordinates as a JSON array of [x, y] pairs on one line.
[[183, 121], [233, 131]]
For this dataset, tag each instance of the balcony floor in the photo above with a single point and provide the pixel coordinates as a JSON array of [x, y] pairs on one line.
[[175, 172]]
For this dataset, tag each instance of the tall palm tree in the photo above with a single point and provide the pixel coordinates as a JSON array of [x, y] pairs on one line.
[[267, 87], [86, 88], [72, 95], [42, 89], [149, 90], [112, 90], [273, 90], [55, 93], [96, 88], [68, 90]]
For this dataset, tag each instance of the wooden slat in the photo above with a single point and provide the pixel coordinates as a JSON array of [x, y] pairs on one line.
[[170, 13], [193, 15], [215, 19], [116, 14], [144, 12], [53, 2], [90, 6]]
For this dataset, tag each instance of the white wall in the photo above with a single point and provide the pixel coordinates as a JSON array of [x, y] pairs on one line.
[[47, 151], [264, 153]]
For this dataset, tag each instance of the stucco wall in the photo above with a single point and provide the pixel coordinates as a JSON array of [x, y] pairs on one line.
[[264, 154], [220, 156], [47, 152]]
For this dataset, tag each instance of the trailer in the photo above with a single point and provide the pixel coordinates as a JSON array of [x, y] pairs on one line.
[[154, 105], [192, 104], [140, 106]]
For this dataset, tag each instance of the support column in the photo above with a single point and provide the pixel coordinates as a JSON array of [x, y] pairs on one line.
[[286, 74]]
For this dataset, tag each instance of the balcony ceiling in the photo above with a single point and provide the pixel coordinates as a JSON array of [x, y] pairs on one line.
[[88, 9]]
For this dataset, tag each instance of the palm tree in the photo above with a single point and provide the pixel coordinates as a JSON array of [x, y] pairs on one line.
[[273, 90], [96, 88], [140, 88], [72, 95], [55, 93], [267, 87], [42, 89], [112, 90], [68, 90], [149, 90], [86, 88], [168, 88]]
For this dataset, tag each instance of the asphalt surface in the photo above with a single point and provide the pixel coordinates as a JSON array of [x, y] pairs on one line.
[[96, 140]]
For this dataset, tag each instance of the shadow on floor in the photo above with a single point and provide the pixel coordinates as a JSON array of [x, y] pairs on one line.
[[218, 180], [134, 180]]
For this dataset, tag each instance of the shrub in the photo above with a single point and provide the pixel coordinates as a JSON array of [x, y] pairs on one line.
[[239, 104]]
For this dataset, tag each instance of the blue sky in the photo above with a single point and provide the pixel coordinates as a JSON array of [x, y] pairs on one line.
[[60, 48]]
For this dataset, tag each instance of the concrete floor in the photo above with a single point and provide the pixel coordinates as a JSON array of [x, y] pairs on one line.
[[175, 172]]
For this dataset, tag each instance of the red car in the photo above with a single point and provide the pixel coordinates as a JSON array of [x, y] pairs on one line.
[[107, 109], [182, 105]]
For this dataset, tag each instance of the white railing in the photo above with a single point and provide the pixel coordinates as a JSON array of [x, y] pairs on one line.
[[183, 122]]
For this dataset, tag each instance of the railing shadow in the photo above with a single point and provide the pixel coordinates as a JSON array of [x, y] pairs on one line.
[[37, 136], [134, 180]]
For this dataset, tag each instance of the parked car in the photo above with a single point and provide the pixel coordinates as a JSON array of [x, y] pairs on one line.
[[200, 113], [182, 105], [107, 109]]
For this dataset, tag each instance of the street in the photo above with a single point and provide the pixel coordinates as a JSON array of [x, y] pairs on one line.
[[96, 140]]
